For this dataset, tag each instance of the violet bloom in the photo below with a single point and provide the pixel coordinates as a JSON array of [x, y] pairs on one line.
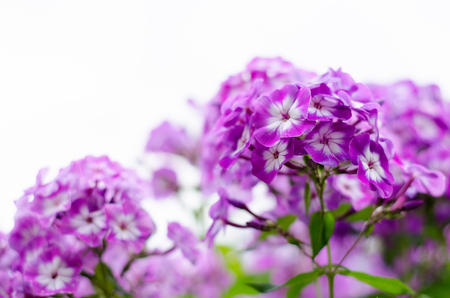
[[267, 162], [164, 183], [351, 188], [282, 114], [427, 181], [129, 223], [328, 143], [25, 230], [185, 240], [53, 272], [245, 133], [86, 221], [323, 106], [219, 213], [169, 138], [373, 166], [48, 206]]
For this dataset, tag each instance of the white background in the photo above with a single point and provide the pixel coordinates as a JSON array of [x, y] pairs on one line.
[[93, 77]]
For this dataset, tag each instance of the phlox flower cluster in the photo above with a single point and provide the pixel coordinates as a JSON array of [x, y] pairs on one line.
[[85, 227], [369, 155], [357, 199]]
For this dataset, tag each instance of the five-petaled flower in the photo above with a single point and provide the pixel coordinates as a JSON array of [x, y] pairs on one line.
[[373, 166], [267, 162], [282, 114], [328, 142]]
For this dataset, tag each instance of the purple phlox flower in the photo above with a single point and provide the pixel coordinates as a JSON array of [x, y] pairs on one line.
[[241, 141], [427, 128], [129, 223], [25, 230], [116, 256], [39, 181], [34, 248], [358, 91], [388, 147], [12, 285], [164, 183], [89, 172], [48, 206], [282, 114], [328, 143], [324, 106], [8, 256], [85, 288], [427, 181], [352, 189], [158, 277], [23, 207], [235, 108], [169, 138], [238, 180], [210, 277], [266, 68], [373, 166], [219, 214], [267, 162], [86, 221], [185, 240], [53, 272]]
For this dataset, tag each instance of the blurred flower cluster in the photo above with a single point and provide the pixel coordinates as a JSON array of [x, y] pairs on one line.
[[355, 179]]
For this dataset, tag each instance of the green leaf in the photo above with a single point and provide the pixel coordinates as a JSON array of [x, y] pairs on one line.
[[307, 197], [296, 283], [341, 210], [104, 278], [240, 288], [321, 227], [294, 291], [437, 290], [303, 278], [363, 214], [369, 231], [104, 281], [389, 285], [266, 234], [263, 287], [286, 221]]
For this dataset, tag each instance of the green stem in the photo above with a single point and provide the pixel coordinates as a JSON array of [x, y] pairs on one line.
[[320, 187], [331, 273], [331, 284]]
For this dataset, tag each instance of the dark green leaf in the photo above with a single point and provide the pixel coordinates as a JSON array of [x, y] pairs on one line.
[[266, 234], [263, 287], [321, 227], [294, 291], [437, 290], [93, 296], [380, 295], [369, 230], [303, 278], [286, 221], [296, 283], [307, 197], [363, 214], [240, 288], [389, 285], [104, 278], [341, 210]]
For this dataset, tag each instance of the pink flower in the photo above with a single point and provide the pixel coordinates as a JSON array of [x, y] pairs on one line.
[[282, 114], [129, 223], [267, 162], [53, 272]]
